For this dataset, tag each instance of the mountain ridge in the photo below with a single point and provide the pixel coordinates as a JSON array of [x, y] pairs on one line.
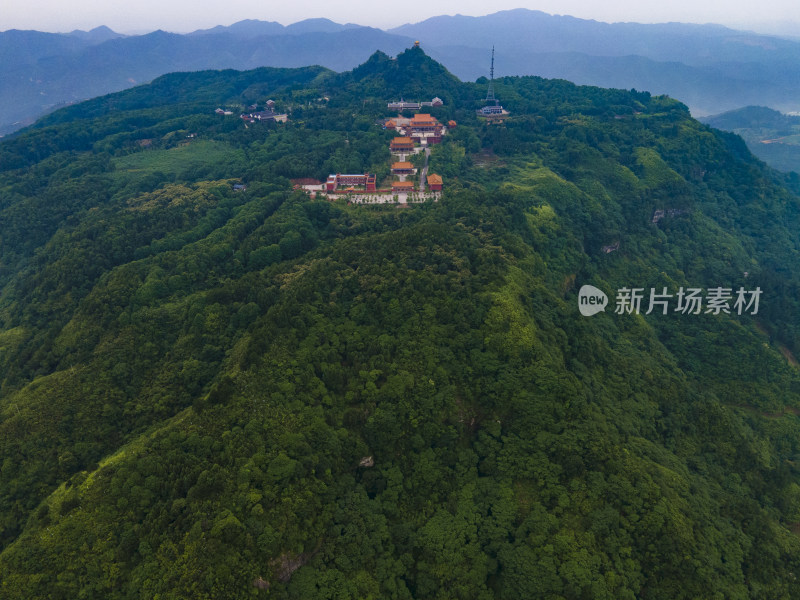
[[719, 68]]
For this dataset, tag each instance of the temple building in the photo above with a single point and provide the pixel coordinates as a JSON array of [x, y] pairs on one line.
[[402, 186], [398, 122], [424, 129], [402, 144], [402, 168], [366, 180], [422, 123], [435, 182]]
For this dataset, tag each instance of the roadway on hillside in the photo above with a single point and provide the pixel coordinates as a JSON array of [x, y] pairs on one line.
[[424, 173]]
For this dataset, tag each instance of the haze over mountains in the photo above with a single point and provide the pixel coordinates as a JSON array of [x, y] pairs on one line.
[[709, 67]]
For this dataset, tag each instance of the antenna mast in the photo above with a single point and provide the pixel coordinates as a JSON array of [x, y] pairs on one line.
[[490, 92]]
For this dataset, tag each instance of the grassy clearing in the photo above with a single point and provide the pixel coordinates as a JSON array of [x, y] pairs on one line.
[[181, 161]]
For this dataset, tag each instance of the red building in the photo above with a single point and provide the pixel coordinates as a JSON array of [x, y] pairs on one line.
[[402, 168], [421, 123], [424, 129], [402, 144], [334, 182], [426, 138], [435, 182], [403, 186]]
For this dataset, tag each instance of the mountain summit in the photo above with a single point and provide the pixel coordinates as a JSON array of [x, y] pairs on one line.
[[412, 73]]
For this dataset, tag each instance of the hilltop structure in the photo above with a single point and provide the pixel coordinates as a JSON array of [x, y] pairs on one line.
[[403, 105], [492, 109], [264, 116], [422, 128]]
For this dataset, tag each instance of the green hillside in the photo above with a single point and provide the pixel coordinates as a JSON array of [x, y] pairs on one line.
[[210, 393]]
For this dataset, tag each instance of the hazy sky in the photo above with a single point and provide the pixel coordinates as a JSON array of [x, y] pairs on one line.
[[137, 16]]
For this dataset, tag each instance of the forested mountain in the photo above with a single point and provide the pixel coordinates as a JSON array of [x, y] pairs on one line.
[[210, 393], [771, 135], [755, 117], [710, 68]]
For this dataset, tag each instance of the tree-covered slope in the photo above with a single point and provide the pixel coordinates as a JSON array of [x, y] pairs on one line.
[[209, 393]]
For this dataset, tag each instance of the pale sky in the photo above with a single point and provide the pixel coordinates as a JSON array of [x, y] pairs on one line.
[[139, 16]]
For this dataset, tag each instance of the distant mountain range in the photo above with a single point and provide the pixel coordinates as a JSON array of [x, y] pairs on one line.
[[41, 71], [255, 28], [709, 67]]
